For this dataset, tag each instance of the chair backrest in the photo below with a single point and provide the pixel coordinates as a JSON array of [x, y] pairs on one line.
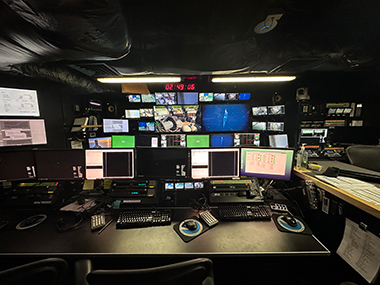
[[191, 272], [366, 156], [50, 271]]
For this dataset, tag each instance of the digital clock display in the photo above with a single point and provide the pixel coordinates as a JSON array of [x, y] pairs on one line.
[[180, 87]]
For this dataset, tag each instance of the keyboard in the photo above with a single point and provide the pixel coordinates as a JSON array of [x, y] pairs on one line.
[[244, 212], [143, 218]]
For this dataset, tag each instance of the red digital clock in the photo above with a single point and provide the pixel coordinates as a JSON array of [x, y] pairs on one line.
[[180, 87]]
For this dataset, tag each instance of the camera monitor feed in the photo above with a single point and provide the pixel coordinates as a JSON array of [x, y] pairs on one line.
[[146, 113], [206, 97], [276, 126], [134, 98], [260, 111], [146, 126], [187, 98], [232, 96], [173, 140], [103, 142], [219, 96], [115, 126], [172, 119], [166, 98], [148, 98], [225, 117], [221, 140], [259, 126], [267, 163], [276, 110]]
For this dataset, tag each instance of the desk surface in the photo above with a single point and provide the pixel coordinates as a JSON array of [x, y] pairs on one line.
[[345, 196], [254, 238]]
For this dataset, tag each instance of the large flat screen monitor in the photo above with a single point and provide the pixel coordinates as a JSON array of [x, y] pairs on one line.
[[18, 132], [162, 163], [313, 136], [123, 141], [17, 165], [115, 126], [63, 164], [224, 117], [267, 163], [172, 119], [18, 102], [110, 164], [214, 163]]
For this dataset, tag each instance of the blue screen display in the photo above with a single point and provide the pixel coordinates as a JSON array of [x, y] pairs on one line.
[[222, 140], [244, 96], [225, 117]]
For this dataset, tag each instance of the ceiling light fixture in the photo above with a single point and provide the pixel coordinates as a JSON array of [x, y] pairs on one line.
[[268, 24], [253, 79], [140, 79]]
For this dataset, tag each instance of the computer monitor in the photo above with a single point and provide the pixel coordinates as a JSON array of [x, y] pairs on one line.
[[18, 102], [266, 163], [103, 142], [62, 164], [215, 163], [198, 141], [146, 126], [18, 132], [17, 165], [276, 110], [123, 141], [162, 163], [115, 126], [177, 118], [221, 140], [278, 141], [313, 136], [276, 126], [109, 163], [225, 117], [260, 111], [146, 140], [246, 139], [259, 126], [132, 114], [178, 140]]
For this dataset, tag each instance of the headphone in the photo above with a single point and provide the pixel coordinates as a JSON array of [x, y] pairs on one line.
[[63, 224]]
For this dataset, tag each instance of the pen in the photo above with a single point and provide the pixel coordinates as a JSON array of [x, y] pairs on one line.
[[106, 225]]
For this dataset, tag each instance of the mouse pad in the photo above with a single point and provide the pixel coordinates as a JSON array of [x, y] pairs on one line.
[[188, 235], [282, 226]]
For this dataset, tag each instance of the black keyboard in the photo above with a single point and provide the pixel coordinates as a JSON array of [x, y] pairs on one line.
[[244, 212], [143, 218]]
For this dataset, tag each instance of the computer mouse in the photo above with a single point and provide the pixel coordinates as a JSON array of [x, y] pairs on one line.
[[191, 225], [290, 220]]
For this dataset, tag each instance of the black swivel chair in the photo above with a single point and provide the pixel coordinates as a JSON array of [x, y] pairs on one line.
[[50, 271], [191, 272], [366, 156]]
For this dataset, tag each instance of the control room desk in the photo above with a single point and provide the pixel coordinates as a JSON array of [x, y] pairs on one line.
[[257, 238], [368, 207]]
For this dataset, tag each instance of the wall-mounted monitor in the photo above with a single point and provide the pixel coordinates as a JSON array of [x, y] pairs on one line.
[[206, 97], [109, 163], [17, 165], [260, 111], [187, 98], [276, 126], [232, 96], [177, 118], [18, 132], [123, 141], [146, 113], [278, 141], [219, 96], [18, 102], [244, 96], [115, 126], [170, 140], [146, 126], [134, 98], [63, 164], [162, 163], [221, 140], [166, 98], [276, 110], [132, 114], [246, 139], [146, 140], [148, 98], [102, 142], [225, 117], [259, 126], [313, 136], [215, 163], [266, 163], [194, 141]]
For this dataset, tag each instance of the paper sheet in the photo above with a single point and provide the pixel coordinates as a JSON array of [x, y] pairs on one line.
[[75, 207], [361, 250]]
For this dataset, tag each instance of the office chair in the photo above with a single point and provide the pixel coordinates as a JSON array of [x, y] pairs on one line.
[[191, 272], [50, 271], [366, 156]]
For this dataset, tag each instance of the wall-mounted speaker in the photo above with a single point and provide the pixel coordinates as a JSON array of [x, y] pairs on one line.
[[111, 109], [277, 99]]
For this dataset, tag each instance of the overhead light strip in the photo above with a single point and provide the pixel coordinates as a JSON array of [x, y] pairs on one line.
[[140, 79], [253, 79]]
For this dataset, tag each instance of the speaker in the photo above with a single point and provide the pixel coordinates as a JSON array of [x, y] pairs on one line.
[[277, 99], [111, 109]]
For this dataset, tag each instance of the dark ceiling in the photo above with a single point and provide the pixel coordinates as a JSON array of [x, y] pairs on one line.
[[74, 41]]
